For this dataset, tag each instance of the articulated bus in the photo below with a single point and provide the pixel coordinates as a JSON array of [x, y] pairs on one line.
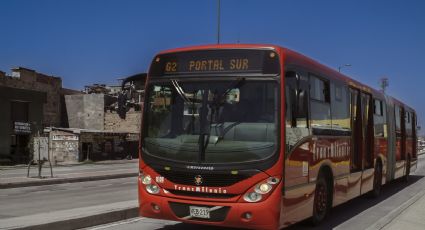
[[261, 137]]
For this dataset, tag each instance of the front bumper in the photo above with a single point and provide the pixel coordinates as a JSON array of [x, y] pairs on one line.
[[264, 215]]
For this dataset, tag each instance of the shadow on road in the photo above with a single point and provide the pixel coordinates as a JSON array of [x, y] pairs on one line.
[[339, 214], [348, 210]]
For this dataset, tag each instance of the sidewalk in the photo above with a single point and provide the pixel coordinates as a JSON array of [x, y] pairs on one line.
[[12, 177], [410, 215], [412, 218]]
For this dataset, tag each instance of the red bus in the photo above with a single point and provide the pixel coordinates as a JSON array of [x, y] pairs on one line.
[[261, 137]]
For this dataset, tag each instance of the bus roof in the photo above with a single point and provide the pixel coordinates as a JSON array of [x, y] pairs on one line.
[[292, 57]]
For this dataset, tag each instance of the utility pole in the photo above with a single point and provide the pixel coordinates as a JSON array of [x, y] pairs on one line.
[[342, 66], [384, 84], [218, 21]]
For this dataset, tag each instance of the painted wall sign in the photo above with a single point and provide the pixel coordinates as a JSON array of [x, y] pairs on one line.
[[22, 127], [64, 138]]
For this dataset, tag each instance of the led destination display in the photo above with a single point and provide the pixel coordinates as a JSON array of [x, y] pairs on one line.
[[223, 61]]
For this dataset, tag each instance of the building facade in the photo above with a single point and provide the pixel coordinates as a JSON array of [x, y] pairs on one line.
[[29, 101], [21, 117]]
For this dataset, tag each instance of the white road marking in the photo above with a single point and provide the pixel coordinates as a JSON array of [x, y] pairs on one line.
[[129, 221]]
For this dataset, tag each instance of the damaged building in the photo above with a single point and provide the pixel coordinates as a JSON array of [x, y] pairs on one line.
[[79, 125], [29, 101], [94, 119]]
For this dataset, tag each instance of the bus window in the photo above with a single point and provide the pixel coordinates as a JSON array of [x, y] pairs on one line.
[[296, 100], [379, 118], [320, 106], [397, 121], [340, 110], [408, 125], [296, 108]]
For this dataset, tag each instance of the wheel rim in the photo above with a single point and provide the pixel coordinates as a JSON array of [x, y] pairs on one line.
[[321, 199]]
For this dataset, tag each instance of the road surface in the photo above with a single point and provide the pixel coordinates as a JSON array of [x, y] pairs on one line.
[[359, 213], [25, 201]]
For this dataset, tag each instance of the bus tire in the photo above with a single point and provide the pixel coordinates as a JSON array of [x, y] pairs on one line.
[[377, 180], [406, 177], [322, 199]]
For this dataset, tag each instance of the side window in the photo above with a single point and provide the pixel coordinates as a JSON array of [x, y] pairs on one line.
[[340, 109], [408, 126], [397, 119], [296, 100], [378, 108], [378, 118], [319, 89], [320, 106], [296, 108]]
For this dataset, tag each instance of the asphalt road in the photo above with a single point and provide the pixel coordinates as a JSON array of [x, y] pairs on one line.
[[359, 213], [24, 201]]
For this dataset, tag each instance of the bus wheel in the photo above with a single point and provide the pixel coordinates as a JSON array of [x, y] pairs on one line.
[[377, 180], [322, 196], [406, 177]]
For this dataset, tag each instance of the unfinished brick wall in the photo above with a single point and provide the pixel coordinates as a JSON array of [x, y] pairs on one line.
[[130, 124]]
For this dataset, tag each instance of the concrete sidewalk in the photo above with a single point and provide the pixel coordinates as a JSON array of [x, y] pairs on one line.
[[74, 218], [409, 215], [13, 177], [412, 217]]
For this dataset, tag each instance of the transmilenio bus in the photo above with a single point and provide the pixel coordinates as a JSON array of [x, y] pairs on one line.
[[261, 137]]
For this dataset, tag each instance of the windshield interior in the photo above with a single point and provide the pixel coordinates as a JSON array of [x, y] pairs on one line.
[[211, 122]]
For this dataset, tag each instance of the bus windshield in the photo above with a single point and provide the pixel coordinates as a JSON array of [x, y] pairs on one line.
[[229, 121]]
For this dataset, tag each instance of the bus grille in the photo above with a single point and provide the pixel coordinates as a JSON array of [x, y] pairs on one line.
[[202, 195], [182, 211], [212, 180]]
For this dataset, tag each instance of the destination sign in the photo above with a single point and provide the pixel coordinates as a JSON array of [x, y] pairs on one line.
[[221, 61]]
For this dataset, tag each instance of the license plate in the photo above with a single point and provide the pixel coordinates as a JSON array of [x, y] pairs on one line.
[[199, 212]]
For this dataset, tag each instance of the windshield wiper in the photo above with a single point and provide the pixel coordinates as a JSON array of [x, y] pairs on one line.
[[202, 119], [179, 90]]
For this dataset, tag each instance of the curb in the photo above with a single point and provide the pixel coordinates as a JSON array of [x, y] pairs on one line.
[[109, 162], [381, 223], [76, 221], [88, 221], [65, 180]]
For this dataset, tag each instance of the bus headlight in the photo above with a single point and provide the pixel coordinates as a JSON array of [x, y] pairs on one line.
[[146, 179], [252, 197], [261, 190], [152, 188]]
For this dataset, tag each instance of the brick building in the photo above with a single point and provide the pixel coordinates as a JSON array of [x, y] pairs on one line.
[[29, 101], [24, 78]]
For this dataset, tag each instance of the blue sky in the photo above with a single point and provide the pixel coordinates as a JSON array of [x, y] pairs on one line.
[[98, 41]]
